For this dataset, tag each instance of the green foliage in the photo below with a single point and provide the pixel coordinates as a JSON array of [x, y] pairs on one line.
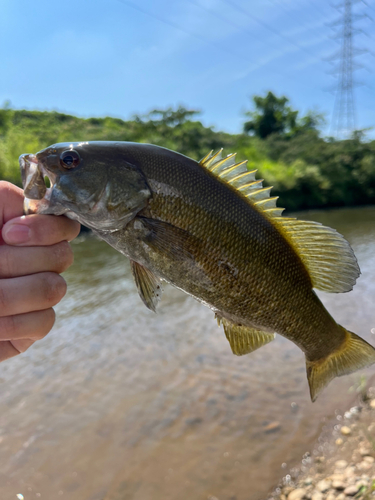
[[175, 130], [306, 170], [273, 115]]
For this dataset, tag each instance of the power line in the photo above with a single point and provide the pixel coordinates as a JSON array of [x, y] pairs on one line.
[[179, 28], [297, 20], [288, 12], [275, 2], [227, 21], [218, 16], [268, 27], [313, 4], [194, 35], [368, 5], [278, 2]]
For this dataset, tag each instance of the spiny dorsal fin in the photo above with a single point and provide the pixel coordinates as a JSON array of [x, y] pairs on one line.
[[239, 177], [327, 256]]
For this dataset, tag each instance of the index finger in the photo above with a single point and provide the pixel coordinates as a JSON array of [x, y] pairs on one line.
[[40, 230]]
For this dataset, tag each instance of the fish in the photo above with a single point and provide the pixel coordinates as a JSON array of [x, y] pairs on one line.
[[211, 229]]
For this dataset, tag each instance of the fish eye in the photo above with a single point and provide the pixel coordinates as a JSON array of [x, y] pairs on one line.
[[69, 159]]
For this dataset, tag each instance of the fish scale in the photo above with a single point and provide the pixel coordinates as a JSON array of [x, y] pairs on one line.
[[211, 229]]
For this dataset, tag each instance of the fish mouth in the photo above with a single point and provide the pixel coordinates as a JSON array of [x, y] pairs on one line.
[[37, 184]]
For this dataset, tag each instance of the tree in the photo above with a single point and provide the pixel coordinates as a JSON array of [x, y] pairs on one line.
[[272, 115], [312, 122]]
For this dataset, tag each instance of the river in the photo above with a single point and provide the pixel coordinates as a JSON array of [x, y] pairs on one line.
[[118, 403]]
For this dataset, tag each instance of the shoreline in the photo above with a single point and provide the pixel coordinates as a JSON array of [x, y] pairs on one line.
[[342, 464]]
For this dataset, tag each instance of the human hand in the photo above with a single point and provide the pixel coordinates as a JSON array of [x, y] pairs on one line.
[[34, 250]]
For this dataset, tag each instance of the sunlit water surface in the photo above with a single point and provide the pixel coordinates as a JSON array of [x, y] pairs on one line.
[[120, 403]]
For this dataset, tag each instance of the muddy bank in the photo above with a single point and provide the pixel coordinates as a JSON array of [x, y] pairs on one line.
[[342, 464]]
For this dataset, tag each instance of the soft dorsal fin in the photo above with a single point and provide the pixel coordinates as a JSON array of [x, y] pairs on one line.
[[326, 254]]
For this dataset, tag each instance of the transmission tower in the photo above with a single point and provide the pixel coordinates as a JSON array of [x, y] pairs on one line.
[[344, 111]]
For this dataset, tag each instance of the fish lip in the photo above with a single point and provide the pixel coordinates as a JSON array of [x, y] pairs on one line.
[[24, 161], [33, 173]]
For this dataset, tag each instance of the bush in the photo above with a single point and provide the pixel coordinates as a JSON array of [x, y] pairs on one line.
[[306, 170]]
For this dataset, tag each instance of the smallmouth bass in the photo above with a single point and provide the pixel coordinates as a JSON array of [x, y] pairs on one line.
[[210, 229]]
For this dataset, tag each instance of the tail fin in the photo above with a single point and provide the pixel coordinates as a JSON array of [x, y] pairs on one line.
[[353, 354]]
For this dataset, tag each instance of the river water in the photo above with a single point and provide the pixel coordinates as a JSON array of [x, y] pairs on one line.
[[118, 403]]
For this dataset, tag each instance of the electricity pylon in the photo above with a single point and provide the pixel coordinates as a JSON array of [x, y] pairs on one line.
[[344, 111]]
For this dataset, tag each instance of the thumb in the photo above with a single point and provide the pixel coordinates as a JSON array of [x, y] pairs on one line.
[[11, 202]]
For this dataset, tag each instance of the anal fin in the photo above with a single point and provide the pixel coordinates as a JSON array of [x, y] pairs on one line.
[[149, 285], [244, 339]]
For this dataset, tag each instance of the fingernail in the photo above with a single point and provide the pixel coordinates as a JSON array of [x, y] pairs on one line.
[[16, 233]]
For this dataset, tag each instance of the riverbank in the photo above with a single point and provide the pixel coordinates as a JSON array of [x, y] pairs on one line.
[[342, 464], [307, 171]]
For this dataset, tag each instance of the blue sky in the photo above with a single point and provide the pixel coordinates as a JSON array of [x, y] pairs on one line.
[[121, 57]]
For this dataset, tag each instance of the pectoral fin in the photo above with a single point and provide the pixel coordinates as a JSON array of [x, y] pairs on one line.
[[149, 285], [169, 240], [244, 339]]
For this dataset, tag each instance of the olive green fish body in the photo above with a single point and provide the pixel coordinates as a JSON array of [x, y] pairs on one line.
[[210, 229], [236, 260]]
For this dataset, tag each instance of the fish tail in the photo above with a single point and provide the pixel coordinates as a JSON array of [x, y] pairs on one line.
[[353, 354]]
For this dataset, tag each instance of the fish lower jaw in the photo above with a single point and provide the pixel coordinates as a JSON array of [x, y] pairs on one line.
[[31, 206], [37, 183]]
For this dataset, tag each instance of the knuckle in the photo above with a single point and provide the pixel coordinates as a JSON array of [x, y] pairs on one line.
[[8, 328], [66, 229], [21, 345], [50, 318], [6, 262], [43, 230], [51, 229], [4, 300], [63, 256], [5, 186], [54, 288], [46, 322], [75, 229], [37, 230], [17, 348]]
